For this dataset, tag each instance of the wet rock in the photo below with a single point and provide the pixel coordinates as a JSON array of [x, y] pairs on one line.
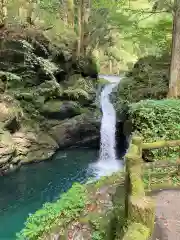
[[9, 114], [82, 130], [5, 155], [31, 146], [39, 84]]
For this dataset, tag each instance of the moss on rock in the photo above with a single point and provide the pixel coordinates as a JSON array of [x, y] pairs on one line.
[[10, 109], [81, 130], [37, 75], [142, 210]]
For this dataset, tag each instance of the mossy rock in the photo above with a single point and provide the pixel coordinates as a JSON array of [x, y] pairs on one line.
[[8, 80], [81, 130], [142, 210], [52, 106], [57, 109], [20, 56], [11, 113], [33, 79]]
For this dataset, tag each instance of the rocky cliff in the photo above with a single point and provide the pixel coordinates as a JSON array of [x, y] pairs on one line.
[[46, 98]]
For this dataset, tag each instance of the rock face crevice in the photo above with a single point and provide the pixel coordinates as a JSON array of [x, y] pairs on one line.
[[46, 99]]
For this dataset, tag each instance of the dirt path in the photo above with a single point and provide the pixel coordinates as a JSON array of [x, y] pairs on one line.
[[167, 226]]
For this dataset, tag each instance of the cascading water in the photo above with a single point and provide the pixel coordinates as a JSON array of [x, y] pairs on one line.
[[107, 163], [108, 126]]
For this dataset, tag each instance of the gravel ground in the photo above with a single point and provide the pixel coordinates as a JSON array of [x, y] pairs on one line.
[[167, 226]]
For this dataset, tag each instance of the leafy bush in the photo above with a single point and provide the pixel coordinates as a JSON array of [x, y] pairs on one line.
[[79, 88], [147, 80], [156, 120], [60, 213]]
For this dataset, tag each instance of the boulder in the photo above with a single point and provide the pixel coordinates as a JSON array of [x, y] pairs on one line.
[[57, 109], [24, 147], [31, 146], [45, 97], [82, 130], [10, 114]]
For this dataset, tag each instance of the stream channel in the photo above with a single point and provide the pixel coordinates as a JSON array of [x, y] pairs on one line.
[[25, 191]]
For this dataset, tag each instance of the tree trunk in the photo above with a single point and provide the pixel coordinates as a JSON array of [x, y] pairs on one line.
[[79, 6], [63, 12], [82, 25], [86, 34], [70, 13], [174, 85], [3, 13], [83, 19]]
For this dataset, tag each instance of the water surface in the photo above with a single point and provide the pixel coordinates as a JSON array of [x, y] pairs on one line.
[[23, 192]]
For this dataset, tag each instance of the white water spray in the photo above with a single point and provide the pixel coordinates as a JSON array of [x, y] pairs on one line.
[[107, 163]]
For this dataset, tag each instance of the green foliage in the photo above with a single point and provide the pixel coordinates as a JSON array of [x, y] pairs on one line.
[[76, 93], [102, 225], [147, 80], [157, 177], [79, 87], [10, 79], [119, 31], [156, 120], [61, 212], [137, 31], [97, 235], [99, 231], [49, 89], [137, 231]]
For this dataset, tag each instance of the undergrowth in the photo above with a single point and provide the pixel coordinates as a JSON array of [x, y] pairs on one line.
[[61, 212], [158, 120], [158, 177], [71, 205]]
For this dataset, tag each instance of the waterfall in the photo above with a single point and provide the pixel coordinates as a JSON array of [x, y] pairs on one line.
[[107, 162], [108, 126]]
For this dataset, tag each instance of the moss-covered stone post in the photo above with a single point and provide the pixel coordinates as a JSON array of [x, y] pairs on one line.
[[137, 140], [138, 208], [142, 210], [137, 231], [133, 173]]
